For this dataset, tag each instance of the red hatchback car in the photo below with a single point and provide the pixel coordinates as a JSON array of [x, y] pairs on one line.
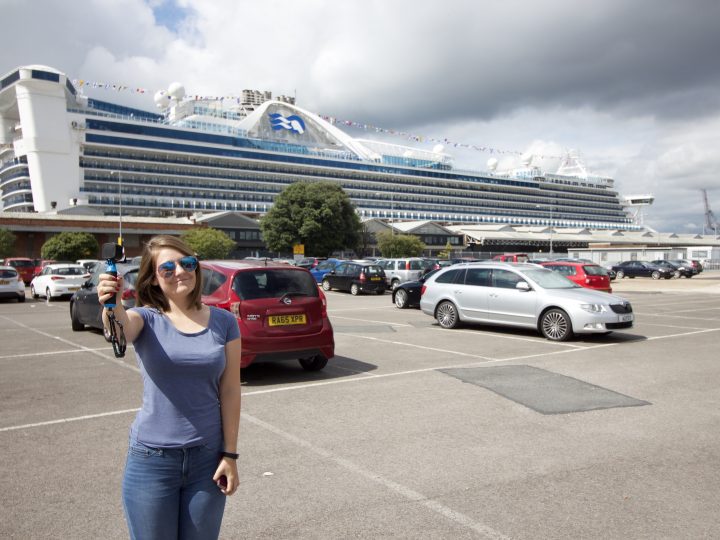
[[588, 275], [24, 266], [281, 312]]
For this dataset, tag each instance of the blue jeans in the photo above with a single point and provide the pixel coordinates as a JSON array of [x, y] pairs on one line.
[[169, 493]]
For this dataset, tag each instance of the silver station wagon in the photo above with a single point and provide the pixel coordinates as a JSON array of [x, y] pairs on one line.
[[522, 295]]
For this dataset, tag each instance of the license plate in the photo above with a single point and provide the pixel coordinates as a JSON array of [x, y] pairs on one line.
[[375, 279], [73, 288], [285, 320], [4, 282], [626, 318]]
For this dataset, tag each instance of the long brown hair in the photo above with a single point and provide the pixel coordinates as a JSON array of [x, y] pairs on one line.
[[151, 295]]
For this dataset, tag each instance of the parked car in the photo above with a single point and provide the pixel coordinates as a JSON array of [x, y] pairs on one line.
[[633, 269], [40, 264], [356, 278], [589, 275], [404, 269], [85, 308], [11, 284], [512, 257], [408, 294], [323, 268], [522, 295], [281, 311], [89, 264], [686, 264], [677, 270], [310, 262], [24, 266], [58, 280]]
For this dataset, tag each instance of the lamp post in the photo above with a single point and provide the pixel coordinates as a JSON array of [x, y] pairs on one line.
[[119, 176]]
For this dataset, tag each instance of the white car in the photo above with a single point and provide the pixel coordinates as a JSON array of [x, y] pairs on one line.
[[11, 284], [58, 280], [525, 295]]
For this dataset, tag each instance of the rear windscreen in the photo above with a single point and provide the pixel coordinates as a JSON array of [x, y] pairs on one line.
[[374, 271], [72, 271], [21, 264], [273, 283], [595, 270], [8, 274]]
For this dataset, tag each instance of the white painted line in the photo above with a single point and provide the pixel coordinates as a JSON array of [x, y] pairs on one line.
[[669, 315], [503, 336], [371, 321], [81, 347], [684, 334], [395, 487], [424, 347], [66, 420], [69, 351], [651, 305], [645, 323]]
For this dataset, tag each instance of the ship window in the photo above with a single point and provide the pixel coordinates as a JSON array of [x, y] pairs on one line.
[[45, 75]]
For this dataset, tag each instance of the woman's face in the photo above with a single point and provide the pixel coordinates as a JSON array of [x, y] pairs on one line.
[[175, 280]]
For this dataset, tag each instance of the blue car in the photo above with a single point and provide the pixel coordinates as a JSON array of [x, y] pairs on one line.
[[323, 268]]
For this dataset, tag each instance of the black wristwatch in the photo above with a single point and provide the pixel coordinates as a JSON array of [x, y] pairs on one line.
[[229, 455]]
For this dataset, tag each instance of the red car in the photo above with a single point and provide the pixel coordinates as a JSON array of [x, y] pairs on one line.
[[584, 274], [42, 263], [24, 266], [281, 312]]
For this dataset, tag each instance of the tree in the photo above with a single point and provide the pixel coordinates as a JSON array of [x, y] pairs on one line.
[[318, 215], [209, 243], [70, 246], [399, 245], [445, 253], [7, 243]]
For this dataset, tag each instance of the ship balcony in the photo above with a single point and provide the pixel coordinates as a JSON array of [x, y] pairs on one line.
[[10, 180], [10, 194]]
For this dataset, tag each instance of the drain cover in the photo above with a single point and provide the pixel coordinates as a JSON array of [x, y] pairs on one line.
[[543, 391]]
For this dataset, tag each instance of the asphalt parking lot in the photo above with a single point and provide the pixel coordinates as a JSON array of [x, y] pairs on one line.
[[412, 431]]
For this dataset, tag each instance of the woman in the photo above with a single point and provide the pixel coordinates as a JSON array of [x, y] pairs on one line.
[[181, 461]]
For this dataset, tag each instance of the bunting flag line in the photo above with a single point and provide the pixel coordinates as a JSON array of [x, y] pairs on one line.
[[82, 83]]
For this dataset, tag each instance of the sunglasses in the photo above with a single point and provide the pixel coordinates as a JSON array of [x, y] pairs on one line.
[[188, 263]]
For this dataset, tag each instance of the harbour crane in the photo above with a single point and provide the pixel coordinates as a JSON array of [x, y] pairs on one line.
[[711, 221]]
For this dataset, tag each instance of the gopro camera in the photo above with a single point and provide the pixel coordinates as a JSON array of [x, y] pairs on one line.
[[112, 253]]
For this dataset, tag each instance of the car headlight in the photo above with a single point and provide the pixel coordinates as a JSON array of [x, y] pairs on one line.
[[593, 308]]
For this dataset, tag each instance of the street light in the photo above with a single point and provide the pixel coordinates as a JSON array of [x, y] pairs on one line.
[[119, 176]]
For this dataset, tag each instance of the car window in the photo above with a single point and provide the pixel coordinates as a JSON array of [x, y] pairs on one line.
[[550, 280], [273, 283], [70, 271], [327, 265], [341, 269], [416, 265], [211, 280], [374, 270], [594, 270], [478, 276], [505, 279], [451, 276], [21, 264], [8, 274]]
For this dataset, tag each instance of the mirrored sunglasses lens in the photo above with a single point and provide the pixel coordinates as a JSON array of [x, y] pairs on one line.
[[167, 268], [189, 263]]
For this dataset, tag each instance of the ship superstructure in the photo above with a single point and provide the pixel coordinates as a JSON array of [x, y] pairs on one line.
[[59, 149]]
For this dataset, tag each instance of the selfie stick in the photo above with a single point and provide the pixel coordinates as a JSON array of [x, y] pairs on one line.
[[112, 253]]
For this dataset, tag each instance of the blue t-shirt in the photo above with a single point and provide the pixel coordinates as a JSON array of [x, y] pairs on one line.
[[181, 380]]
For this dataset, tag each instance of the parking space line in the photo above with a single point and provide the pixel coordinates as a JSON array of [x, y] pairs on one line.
[[531, 340], [395, 487], [49, 353], [81, 347], [671, 316], [684, 334], [673, 326], [651, 305], [372, 321], [67, 420]]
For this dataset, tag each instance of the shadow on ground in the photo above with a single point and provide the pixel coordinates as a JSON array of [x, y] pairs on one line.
[[272, 373]]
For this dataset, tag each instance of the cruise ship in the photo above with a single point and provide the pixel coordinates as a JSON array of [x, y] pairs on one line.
[[61, 151]]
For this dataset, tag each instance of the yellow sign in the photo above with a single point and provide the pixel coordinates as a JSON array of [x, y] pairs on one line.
[[299, 249]]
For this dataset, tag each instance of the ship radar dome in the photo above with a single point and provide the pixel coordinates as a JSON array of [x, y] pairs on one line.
[[176, 91], [492, 164], [162, 99]]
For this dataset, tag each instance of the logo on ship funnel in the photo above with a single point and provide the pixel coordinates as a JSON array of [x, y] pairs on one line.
[[291, 123]]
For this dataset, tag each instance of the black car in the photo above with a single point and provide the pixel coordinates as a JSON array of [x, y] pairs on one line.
[[634, 269], [85, 308], [690, 268], [678, 270], [408, 294], [356, 278]]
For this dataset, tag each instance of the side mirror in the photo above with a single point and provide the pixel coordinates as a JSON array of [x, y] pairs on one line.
[[523, 286]]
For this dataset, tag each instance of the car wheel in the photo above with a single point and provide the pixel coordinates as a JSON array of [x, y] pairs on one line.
[[326, 285], [33, 293], [394, 284], [77, 326], [401, 298], [354, 289], [555, 325], [677, 274], [655, 275], [314, 363], [688, 276], [48, 295], [447, 315], [619, 274]]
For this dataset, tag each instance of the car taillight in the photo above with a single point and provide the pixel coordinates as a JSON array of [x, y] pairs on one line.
[[323, 310], [362, 276], [56, 278], [407, 265], [422, 291], [235, 308]]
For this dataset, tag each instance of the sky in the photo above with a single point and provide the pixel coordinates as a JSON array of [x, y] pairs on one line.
[[632, 86]]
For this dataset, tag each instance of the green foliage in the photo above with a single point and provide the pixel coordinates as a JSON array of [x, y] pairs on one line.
[[70, 246], [209, 243], [319, 215], [399, 245], [7, 244], [445, 253]]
